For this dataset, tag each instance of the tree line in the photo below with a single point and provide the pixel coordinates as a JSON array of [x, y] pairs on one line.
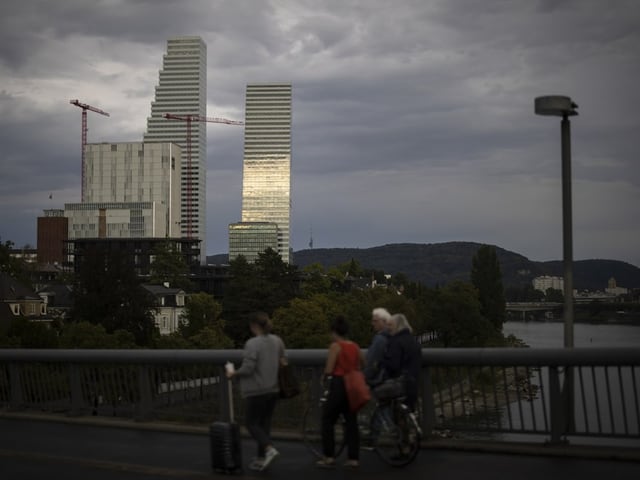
[[111, 309]]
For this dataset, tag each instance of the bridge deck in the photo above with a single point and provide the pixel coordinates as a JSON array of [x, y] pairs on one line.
[[32, 449]]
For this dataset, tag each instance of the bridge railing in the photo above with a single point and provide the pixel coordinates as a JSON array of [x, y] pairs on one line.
[[553, 394]]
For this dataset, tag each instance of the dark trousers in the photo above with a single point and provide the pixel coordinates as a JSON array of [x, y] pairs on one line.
[[337, 403], [258, 413]]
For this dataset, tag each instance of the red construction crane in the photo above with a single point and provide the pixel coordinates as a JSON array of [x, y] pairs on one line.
[[84, 108], [194, 118]]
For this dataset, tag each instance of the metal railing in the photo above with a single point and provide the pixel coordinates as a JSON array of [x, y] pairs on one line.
[[554, 394]]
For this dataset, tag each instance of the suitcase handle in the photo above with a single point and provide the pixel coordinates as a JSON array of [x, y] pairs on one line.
[[230, 390]]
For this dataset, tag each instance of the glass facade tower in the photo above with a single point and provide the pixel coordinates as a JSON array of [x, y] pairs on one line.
[[182, 90], [266, 176]]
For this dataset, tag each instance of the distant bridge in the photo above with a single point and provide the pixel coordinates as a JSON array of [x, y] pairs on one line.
[[533, 306], [527, 307]]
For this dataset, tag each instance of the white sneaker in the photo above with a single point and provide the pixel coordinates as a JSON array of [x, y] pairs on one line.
[[256, 464], [269, 456]]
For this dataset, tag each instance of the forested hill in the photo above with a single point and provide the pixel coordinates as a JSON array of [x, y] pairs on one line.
[[440, 263]]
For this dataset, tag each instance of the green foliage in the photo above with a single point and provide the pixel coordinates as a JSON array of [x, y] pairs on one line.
[[108, 292], [23, 333], [315, 280], [486, 276], [172, 341], [302, 324], [554, 295], [14, 267], [266, 285], [524, 293], [210, 337], [456, 317], [169, 266], [201, 310], [89, 335]]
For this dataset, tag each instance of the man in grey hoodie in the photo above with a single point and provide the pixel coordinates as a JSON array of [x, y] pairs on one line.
[[258, 376]]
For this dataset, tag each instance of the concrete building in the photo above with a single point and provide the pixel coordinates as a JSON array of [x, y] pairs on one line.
[[131, 190], [545, 282], [266, 180], [52, 232], [251, 238], [182, 90]]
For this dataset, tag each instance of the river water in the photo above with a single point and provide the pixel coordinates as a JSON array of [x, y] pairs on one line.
[[551, 335]]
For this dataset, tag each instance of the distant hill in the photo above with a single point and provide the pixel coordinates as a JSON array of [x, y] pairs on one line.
[[440, 263]]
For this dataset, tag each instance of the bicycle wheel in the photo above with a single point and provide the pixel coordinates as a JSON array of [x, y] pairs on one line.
[[396, 438], [312, 432]]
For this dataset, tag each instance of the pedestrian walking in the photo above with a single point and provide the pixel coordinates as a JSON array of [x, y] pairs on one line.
[[343, 357], [258, 376]]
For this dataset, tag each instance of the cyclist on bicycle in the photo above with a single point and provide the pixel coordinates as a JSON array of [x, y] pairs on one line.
[[403, 357], [375, 353]]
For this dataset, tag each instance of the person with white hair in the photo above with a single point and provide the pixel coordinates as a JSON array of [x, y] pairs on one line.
[[372, 372], [403, 356]]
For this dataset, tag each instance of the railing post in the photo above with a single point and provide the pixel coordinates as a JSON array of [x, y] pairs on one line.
[[16, 399], [428, 416], [75, 390], [560, 404], [145, 403]]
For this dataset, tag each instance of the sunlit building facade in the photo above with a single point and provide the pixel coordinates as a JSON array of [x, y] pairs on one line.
[[252, 238], [266, 182], [182, 90]]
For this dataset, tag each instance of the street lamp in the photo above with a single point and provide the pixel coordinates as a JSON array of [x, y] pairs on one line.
[[562, 106]]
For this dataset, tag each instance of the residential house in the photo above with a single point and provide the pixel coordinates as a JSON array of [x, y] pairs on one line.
[[18, 300], [169, 307]]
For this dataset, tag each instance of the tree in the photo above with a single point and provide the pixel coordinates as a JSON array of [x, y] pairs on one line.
[[210, 337], [15, 267], [302, 324], [314, 280], [455, 312], [554, 295], [108, 292], [486, 276], [169, 266], [201, 311], [89, 335], [28, 334], [265, 285]]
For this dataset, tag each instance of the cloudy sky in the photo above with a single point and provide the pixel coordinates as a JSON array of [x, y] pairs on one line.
[[413, 121]]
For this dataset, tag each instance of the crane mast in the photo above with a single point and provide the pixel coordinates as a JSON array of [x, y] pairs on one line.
[[84, 108], [189, 118]]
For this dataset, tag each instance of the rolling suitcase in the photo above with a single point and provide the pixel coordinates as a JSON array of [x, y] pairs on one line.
[[226, 448]]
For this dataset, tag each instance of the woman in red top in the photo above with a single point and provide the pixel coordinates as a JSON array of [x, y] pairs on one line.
[[344, 356]]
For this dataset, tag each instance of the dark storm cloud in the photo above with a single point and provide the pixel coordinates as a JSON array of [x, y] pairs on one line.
[[412, 121]]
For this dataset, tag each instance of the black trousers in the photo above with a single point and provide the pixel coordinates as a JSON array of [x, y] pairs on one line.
[[337, 403], [258, 413]]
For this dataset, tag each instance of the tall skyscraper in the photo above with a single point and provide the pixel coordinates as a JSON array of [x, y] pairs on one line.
[[182, 90], [266, 176]]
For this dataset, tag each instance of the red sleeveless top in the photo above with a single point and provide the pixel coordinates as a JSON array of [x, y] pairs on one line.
[[348, 358]]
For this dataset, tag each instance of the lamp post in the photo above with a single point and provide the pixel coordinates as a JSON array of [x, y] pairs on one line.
[[561, 106]]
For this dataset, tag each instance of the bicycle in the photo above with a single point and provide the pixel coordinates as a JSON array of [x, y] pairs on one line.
[[387, 427]]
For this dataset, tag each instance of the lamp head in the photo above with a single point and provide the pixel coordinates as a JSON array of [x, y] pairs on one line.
[[555, 105]]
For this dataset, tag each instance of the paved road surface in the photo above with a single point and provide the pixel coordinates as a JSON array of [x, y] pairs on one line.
[[46, 450]]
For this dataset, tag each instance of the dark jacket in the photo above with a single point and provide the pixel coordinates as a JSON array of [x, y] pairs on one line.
[[403, 356], [375, 354]]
